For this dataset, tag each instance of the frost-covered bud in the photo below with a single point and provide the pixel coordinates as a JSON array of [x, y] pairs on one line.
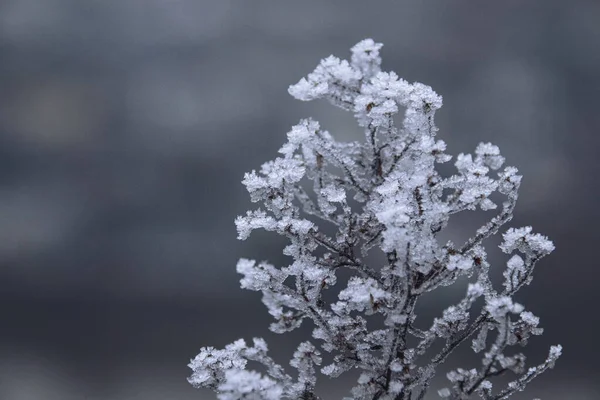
[[553, 355], [515, 363], [529, 319], [329, 196], [210, 365], [377, 111], [287, 322], [282, 170], [310, 272], [335, 70], [248, 385], [330, 370], [515, 272], [474, 290], [388, 86], [260, 347], [296, 226], [454, 319], [254, 278], [305, 358], [333, 79], [508, 180], [555, 352], [423, 97], [524, 328], [487, 204], [438, 149], [254, 220], [365, 57], [367, 386], [526, 242], [464, 162], [460, 262], [306, 352], [362, 294], [489, 155], [272, 185], [306, 90], [477, 186], [258, 277], [498, 307], [486, 385], [379, 99], [462, 375], [334, 194], [301, 134]]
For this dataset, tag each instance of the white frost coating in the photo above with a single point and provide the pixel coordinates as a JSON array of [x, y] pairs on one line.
[[334, 194], [249, 385], [526, 242], [489, 155], [340, 203], [555, 352], [498, 307], [515, 272], [458, 261], [365, 57], [475, 290], [529, 318], [254, 220], [362, 294]]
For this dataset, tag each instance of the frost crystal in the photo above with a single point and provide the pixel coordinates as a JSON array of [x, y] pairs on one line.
[[385, 202], [250, 385]]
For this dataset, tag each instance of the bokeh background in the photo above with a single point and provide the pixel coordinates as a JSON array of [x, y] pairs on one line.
[[126, 127]]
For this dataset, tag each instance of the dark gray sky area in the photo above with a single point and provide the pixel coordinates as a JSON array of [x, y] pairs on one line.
[[126, 127]]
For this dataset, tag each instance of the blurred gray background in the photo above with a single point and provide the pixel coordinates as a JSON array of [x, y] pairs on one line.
[[126, 127]]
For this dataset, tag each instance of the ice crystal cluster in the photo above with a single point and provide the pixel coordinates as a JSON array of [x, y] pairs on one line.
[[382, 196]]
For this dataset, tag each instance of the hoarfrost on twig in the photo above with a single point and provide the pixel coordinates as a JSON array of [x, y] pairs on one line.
[[401, 203]]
